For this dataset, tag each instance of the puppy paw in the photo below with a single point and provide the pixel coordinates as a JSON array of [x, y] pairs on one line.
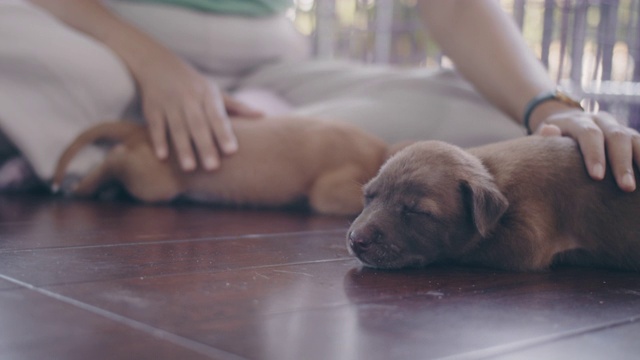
[[68, 185]]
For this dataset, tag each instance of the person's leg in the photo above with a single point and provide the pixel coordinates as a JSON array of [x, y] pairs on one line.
[[394, 104], [54, 83], [223, 47]]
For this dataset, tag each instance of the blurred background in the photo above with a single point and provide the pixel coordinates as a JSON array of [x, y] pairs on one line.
[[591, 47]]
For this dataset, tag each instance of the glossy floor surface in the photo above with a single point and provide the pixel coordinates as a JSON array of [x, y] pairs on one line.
[[81, 280]]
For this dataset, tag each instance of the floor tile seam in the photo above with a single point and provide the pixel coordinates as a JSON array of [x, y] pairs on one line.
[[163, 242], [516, 346], [114, 219], [152, 331], [195, 272]]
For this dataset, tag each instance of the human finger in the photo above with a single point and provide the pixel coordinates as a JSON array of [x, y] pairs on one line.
[[216, 114], [620, 152], [549, 130], [158, 133], [200, 134], [590, 138], [181, 142]]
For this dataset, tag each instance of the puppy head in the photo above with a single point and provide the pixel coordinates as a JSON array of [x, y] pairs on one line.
[[430, 202]]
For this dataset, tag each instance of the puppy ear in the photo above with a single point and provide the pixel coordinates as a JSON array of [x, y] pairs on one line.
[[487, 204]]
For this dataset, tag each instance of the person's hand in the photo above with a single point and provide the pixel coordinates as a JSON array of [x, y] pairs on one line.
[[179, 102], [600, 137]]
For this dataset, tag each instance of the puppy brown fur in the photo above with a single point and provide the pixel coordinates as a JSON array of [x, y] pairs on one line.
[[521, 205], [280, 161]]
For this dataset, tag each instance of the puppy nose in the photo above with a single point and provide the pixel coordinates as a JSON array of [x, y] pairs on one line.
[[361, 240]]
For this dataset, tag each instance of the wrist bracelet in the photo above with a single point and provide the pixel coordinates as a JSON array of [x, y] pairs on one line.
[[547, 96]]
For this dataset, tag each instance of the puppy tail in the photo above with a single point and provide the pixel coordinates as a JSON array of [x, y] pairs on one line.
[[109, 131]]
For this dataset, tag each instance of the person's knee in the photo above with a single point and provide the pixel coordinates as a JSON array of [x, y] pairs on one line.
[[43, 54]]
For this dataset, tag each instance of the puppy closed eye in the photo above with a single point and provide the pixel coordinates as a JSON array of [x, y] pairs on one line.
[[412, 211], [369, 197]]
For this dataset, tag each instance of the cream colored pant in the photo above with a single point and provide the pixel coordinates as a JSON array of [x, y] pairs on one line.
[[56, 82]]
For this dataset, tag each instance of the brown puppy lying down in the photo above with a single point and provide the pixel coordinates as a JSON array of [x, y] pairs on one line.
[[523, 205], [280, 161]]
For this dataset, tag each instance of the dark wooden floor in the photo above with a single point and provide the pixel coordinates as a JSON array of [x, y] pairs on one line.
[[80, 280]]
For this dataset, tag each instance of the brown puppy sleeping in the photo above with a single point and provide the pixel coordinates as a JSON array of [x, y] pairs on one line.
[[280, 161], [521, 205]]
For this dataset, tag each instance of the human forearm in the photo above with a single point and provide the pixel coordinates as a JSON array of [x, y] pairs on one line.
[[488, 50]]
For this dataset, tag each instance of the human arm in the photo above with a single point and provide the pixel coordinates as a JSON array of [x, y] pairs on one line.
[[176, 99], [488, 50]]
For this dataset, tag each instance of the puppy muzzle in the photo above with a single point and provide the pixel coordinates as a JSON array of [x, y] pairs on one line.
[[361, 240]]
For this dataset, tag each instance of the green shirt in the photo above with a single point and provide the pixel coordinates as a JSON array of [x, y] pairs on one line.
[[232, 7]]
